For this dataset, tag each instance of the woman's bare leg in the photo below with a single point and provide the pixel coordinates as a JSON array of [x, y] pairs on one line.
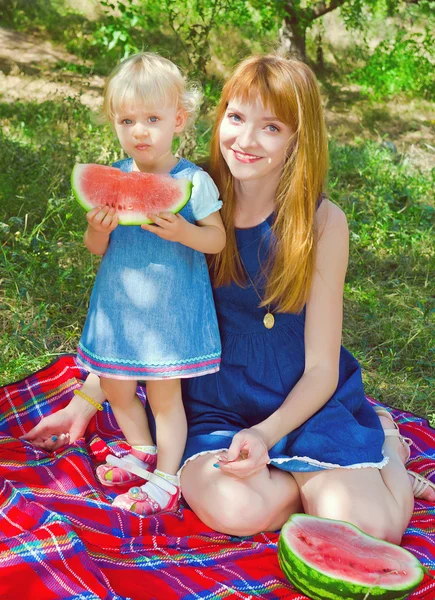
[[380, 502], [128, 410], [233, 506]]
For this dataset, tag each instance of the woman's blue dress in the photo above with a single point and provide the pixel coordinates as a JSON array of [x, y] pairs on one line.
[[259, 368]]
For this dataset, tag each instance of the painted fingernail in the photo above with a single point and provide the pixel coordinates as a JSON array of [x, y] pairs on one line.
[[216, 466], [54, 438]]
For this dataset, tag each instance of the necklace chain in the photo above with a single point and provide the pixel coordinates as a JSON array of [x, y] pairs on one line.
[[269, 319]]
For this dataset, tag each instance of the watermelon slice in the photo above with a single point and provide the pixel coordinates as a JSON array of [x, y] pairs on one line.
[[132, 194], [327, 559]]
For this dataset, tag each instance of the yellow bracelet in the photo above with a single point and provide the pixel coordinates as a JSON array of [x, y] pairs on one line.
[[94, 403]]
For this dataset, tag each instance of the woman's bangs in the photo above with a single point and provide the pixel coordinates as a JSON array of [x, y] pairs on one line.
[[254, 83]]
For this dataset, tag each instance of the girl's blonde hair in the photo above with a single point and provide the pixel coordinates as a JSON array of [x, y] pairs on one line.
[[151, 80], [290, 89]]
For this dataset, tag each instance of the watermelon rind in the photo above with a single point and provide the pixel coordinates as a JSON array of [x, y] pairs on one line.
[[318, 584], [75, 186], [133, 218]]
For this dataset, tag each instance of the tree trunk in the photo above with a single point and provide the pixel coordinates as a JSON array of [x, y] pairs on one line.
[[319, 50], [292, 36]]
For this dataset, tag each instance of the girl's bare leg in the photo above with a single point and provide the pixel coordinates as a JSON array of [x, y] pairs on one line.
[[128, 410], [380, 502], [233, 506], [164, 397], [91, 386]]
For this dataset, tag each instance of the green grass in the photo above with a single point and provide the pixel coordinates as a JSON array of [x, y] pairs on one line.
[[389, 300], [47, 274]]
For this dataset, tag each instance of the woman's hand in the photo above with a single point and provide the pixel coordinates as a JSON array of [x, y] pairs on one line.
[[246, 456], [56, 430], [67, 424], [102, 219], [168, 226]]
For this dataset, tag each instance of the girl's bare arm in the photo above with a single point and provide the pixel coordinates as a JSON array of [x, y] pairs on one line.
[[207, 236]]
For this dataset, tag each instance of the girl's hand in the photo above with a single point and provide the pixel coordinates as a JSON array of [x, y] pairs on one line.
[[168, 226], [102, 219], [246, 456]]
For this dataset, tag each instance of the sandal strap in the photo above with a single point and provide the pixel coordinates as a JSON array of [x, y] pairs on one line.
[[160, 481], [395, 431], [420, 484]]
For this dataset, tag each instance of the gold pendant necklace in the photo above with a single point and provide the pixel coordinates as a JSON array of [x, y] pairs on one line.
[[268, 319]]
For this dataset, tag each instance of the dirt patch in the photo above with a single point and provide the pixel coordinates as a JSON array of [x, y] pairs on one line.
[[409, 126], [28, 72]]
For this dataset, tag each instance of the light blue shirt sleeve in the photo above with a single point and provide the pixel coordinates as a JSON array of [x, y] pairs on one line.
[[205, 196]]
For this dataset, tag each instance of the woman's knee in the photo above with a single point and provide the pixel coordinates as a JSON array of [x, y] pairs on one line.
[[382, 526], [233, 515], [359, 498], [236, 507], [376, 521]]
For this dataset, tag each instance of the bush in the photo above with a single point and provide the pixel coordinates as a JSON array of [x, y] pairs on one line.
[[403, 64]]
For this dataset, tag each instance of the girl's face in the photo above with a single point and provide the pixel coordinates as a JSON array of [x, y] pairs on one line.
[[146, 134], [253, 141]]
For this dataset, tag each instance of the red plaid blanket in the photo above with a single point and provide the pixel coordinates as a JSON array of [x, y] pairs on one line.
[[60, 537]]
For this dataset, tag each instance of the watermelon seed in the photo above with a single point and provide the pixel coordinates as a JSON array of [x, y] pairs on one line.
[[306, 540]]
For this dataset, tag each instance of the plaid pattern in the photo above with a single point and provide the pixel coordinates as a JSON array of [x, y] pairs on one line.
[[60, 537]]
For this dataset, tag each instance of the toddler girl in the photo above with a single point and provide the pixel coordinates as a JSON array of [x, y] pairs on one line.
[[151, 315]]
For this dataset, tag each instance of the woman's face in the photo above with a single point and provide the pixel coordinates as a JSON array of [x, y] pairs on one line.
[[253, 141]]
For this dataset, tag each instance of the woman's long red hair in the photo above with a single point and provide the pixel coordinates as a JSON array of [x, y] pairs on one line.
[[290, 88]]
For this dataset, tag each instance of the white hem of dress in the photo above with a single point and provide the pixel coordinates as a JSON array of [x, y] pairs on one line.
[[311, 461], [146, 378], [328, 466]]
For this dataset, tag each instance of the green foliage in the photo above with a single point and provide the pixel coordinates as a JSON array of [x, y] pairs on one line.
[[120, 30], [405, 63], [186, 25], [22, 14]]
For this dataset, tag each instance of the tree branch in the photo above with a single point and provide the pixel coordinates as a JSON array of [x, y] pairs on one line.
[[321, 8]]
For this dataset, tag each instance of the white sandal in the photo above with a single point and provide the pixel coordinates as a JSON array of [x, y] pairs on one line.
[[395, 432], [420, 484]]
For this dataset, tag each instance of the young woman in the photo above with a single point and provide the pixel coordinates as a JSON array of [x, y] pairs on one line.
[[285, 424]]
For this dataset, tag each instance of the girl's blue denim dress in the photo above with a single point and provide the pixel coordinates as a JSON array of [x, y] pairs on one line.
[[151, 313]]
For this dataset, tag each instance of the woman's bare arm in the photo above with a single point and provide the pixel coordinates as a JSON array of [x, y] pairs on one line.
[[323, 330]]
